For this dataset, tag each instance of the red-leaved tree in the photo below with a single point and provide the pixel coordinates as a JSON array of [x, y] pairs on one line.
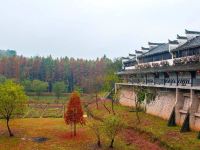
[[74, 113]]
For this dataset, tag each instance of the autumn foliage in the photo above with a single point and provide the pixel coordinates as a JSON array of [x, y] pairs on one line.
[[74, 113], [74, 72]]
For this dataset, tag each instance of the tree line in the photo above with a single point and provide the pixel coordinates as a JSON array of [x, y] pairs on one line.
[[79, 74]]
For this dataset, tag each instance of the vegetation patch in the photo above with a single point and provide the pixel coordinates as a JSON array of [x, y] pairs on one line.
[[153, 128]]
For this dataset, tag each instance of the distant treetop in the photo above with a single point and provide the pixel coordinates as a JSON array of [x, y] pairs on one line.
[[8, 53]]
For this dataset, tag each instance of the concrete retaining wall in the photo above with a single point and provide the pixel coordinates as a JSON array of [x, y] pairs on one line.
[[127, 97], [184, 101], [162, 106]]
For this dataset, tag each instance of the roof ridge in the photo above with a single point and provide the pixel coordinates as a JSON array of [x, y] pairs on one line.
[[154, 43], [144, 48], [131, 54], [138, 51], [173, 41], [191, 32], [181, 37]]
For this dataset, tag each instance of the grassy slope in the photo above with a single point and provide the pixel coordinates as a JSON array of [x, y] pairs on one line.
[[157, 129]]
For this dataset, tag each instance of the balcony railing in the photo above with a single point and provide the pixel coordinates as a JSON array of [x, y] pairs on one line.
[[167, 81], [188, 60], [150, 81], [196, 82], [185, 82], [170, 81], [159, 81]]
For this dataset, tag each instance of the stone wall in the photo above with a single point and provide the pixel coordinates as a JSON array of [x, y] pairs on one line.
[[185, 101], [163, 104]]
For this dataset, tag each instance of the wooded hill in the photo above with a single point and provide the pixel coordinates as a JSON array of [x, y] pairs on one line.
[[74, 72]]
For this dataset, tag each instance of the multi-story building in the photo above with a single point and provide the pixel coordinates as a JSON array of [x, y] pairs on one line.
[[174, 69]]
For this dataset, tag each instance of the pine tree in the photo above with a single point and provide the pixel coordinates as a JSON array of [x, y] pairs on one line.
[[74, 113]]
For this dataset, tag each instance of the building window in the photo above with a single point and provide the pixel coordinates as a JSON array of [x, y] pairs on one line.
[[167, 56], [166, 74], [156, 75]]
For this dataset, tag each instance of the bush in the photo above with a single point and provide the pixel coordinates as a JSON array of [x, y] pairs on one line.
[[112, 126]]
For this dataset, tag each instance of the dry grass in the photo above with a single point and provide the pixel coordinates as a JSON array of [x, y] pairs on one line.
[[151, 128], [55, 130]]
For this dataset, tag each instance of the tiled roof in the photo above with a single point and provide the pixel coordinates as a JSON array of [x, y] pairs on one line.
[[131, 54], [194, 42], [173, 42], [152, 43], [144, 48], [130, 60], [125, 58], [136, 51], [191, 32], [181, 37], [156, 50]]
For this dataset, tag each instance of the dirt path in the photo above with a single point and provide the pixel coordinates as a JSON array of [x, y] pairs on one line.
[[139, 140]]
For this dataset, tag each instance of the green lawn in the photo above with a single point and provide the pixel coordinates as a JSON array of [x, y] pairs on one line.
[[53, 99]]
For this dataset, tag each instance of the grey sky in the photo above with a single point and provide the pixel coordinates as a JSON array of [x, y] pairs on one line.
[[91, 28]]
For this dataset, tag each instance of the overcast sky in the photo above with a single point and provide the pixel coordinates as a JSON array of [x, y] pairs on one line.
[[92, 28]]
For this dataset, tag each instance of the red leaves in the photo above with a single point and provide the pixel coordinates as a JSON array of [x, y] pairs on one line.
[[74, 113]]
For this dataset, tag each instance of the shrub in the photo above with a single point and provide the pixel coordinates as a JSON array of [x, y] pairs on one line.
[[112, 126]]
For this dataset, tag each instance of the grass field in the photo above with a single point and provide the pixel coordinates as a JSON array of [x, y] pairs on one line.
[[151, 133], [49, 99], [55, 130], [52, 99], [49, 106]]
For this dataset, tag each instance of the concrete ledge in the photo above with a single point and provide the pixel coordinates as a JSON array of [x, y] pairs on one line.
[[197, 114], [161, 86], [183, 111]]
